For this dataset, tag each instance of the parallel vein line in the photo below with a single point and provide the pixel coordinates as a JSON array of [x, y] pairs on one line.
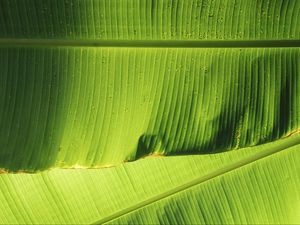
[[153, 43]]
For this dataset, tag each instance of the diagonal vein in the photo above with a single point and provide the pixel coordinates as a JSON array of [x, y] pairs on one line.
[[294, 140]]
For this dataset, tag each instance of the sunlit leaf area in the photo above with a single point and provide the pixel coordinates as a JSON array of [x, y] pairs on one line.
[[149, 112]]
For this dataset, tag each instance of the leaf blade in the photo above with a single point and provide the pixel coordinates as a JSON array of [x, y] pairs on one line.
[[151, 20], [85, 196]]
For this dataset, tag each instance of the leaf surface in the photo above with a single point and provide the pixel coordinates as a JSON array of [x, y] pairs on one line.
[[150, 20], [95, 83], [67, 103], [97, 107], [253, 185]]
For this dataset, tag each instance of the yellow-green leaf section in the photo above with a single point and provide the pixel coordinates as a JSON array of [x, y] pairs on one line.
[[96, 83], [77, 91], [256, 185], [93, 106], [150, 19]]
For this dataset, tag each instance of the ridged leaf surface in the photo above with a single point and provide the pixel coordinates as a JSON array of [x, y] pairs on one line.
[[211, 85], [103, 106], [257, 185]]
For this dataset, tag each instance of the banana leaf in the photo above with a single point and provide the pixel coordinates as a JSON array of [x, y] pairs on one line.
[[207, 91], [254, 185]]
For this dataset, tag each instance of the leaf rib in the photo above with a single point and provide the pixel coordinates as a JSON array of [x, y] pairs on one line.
[[293, 141], [153, 43]]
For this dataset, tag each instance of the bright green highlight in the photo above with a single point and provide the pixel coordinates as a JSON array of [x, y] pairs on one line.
[[259, 192], [92, 107], [97, 83]]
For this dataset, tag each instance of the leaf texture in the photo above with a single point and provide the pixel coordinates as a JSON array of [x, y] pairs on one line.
[[89, 106], [148, 20], [265, 191], [95, 83], [103, 106]]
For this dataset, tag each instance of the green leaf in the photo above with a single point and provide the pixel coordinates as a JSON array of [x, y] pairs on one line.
[[257, 185], [84, 106], [266, 191], [150, 19], [65, 103], [96, 83], [91, 107]]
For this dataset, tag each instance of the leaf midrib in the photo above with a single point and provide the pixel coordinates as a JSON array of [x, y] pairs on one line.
[[293, 141], [153, 43]]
